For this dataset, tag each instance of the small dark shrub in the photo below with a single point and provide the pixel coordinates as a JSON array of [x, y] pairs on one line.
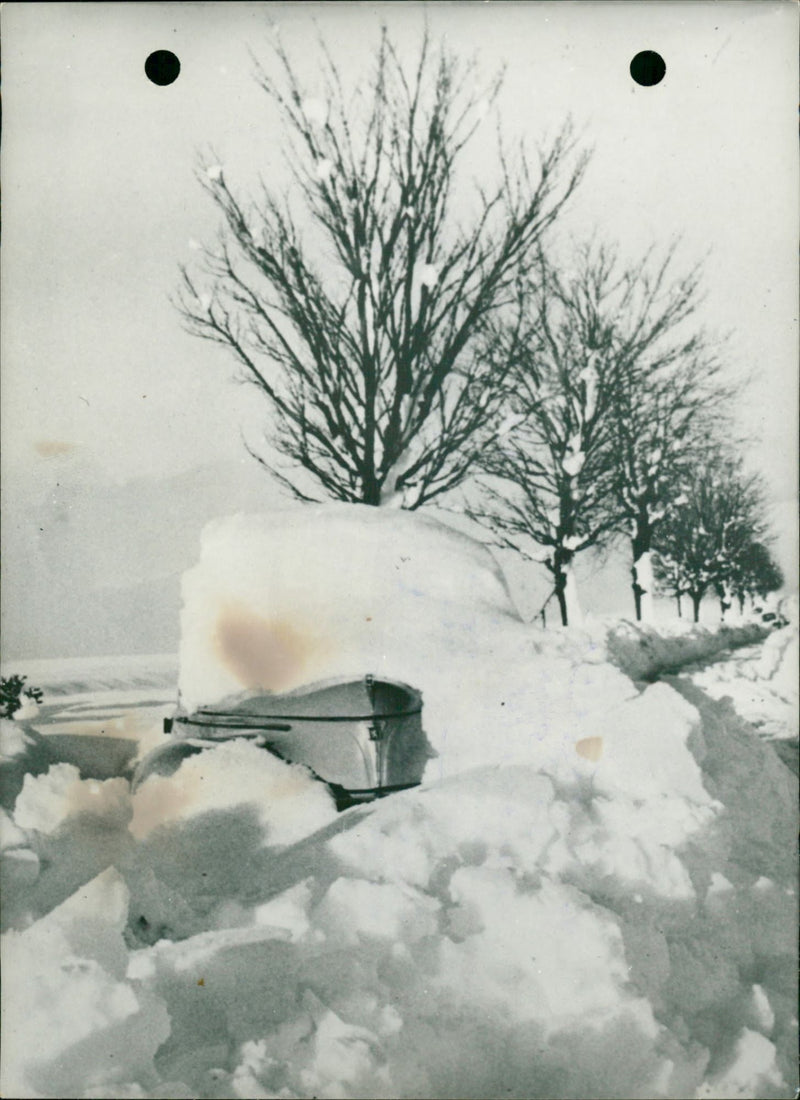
[[12, 692]]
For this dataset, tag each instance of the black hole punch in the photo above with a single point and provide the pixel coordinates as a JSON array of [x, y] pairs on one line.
[[648, 68], [162, 67]]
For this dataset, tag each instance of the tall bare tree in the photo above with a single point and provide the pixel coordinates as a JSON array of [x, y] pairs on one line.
[[552, 468], [364, 305]]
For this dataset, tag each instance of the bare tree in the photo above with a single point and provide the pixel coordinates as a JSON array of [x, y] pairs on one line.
[[552, 468], [373, 337], [653, 377], [667, 382], [754, 574], [671, 576], [703, 540]]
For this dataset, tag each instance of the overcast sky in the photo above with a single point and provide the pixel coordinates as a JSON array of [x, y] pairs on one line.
[[122, 434]]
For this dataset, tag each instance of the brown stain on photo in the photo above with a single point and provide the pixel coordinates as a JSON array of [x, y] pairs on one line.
[[53, 448], [263, 654], [590, 748]]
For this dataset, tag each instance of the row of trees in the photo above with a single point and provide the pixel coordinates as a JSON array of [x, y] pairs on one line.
[[619, 427], [411, 337], [715, 540]]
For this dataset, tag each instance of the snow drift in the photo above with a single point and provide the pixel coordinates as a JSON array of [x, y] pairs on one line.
[[592, 894], [335, 591], [645, 652], [282, 600]]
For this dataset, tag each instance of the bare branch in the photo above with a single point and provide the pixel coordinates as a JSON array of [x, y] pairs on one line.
[[375, 341]]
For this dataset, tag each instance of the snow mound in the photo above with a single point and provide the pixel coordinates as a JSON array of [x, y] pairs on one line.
[[289, 801], [593, 893], [510, 931], [761, 682], [209, 832], [290, 598], [644, 652], [284, 599], [23, 752], [64, 983], [47, 801], [501, 934]]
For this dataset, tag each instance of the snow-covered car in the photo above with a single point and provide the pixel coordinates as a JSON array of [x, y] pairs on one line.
[[364, 737]]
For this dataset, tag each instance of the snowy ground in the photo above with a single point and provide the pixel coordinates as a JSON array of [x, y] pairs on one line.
[[593, 893], [761, 682]]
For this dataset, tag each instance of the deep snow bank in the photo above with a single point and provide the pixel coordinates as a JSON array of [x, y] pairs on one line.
[[645, 652], [283, 599], [592, 895], [290, 598]]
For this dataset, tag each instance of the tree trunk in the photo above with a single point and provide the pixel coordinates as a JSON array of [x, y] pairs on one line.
[[574, 612], [642, 571], [678, 601], [370, 490], [561, 584], [696, 597], [566, 589]]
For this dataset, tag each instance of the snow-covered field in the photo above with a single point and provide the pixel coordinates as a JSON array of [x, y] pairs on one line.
[[593, 893]]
